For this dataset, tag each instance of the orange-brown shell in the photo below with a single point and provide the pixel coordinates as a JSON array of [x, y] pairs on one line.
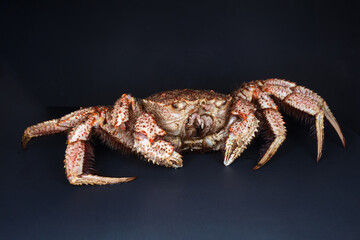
[[169, 97], [189, 113]]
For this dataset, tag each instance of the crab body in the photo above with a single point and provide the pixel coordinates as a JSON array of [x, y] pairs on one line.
[[165, 124]]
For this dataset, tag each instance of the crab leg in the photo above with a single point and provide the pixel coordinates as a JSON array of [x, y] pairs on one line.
[[277, 126], [56, 125], [79, 151], [157, 151], [306, 101], [330, 117], [323, 106], [304, 104], [275, 122]]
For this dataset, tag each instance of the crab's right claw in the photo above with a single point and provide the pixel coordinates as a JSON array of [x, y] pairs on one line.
[[241, 134]]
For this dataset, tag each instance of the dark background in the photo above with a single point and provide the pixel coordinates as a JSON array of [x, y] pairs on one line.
[[58, 56]]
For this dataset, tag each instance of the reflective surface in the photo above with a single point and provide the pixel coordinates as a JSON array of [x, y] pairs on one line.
[[290, 197], [54, 55]]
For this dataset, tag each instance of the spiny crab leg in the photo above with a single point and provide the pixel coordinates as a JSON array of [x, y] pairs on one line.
[[277, 127], [56, 125], [323, 106], [306, 101], [77, 152], [309, 106], [274, 121], [40, 129]]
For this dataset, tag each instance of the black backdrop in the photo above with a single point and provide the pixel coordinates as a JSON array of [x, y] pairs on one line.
[[56, 56]]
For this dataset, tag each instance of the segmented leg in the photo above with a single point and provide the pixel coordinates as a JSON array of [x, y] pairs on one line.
[[277, 127], [306, 101], [56, 125], [157, 151], [241, 131], [267, 108], [275, 123], [77, 153]]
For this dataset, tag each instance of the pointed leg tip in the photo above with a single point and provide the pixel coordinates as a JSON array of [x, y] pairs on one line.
[[120, 180], [23, 146], [97, 180], [257, 166], [129, 179], [318, 157], [226, 163], [24, 141], [343, 142]]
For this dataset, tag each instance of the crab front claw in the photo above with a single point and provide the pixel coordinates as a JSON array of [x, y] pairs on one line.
[[159, 152], [241, 134]]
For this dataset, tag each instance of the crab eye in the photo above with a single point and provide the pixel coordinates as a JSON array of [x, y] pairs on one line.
[[178, 105], [220, 103]]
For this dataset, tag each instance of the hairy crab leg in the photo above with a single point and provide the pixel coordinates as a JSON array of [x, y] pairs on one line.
[[304, 104], [275, 122], [77, 152], [277, 126], [159, 152], [56, 125], [306, 101], [40, 129], [323, 106]]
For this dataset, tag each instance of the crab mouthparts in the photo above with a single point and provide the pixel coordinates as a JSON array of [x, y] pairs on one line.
[[198, 125]]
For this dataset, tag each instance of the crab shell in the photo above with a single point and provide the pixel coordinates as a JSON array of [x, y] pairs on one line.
[[189, 113]]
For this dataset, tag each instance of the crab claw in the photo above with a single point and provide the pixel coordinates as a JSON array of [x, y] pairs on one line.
[[241, 134]]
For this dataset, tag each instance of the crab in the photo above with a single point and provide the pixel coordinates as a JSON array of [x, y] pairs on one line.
[[165, 124]]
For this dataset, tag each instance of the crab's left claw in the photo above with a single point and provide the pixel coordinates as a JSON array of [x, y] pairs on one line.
[[241, 134], [155, 150]]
